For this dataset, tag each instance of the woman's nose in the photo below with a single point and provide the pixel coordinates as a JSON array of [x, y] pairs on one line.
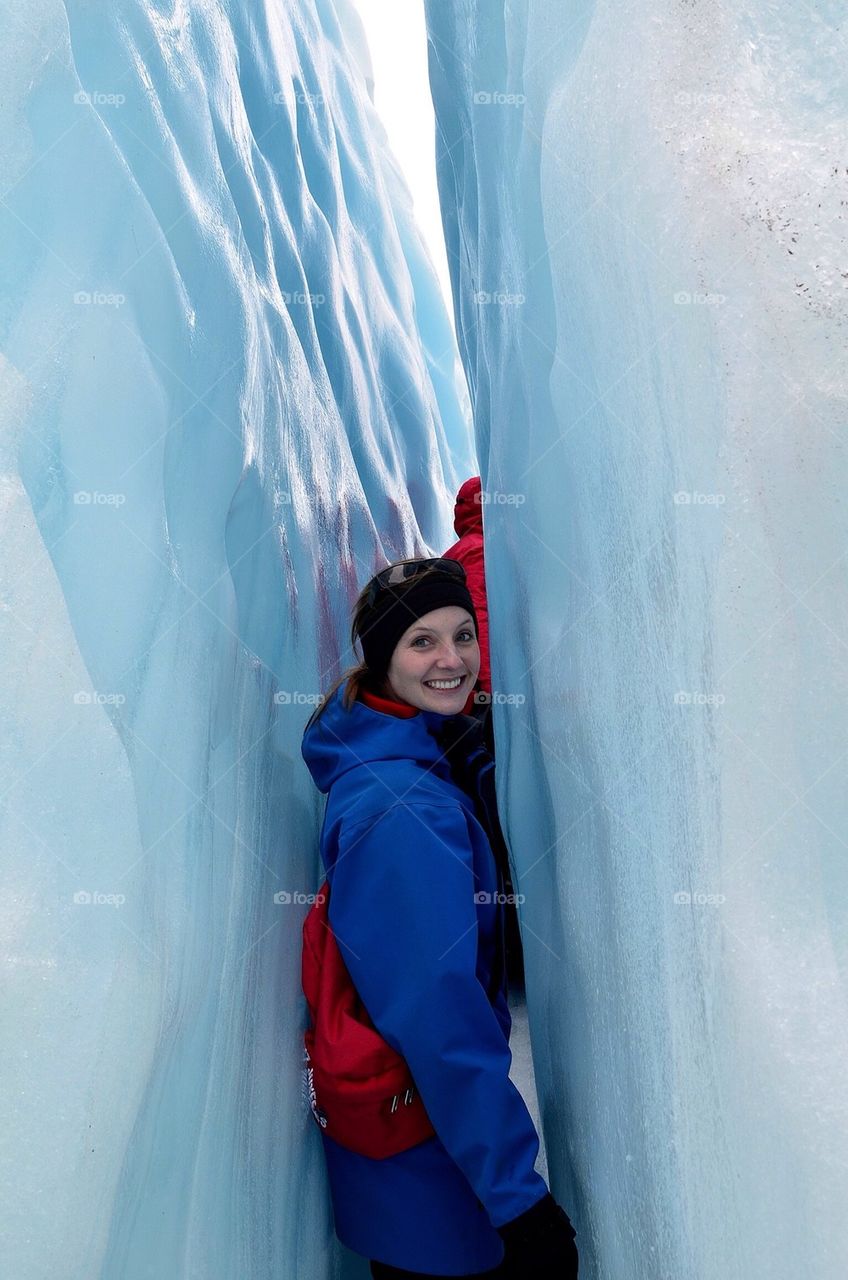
[[449, 656]]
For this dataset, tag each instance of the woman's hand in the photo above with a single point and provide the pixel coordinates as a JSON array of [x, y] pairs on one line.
[[539, 1244]]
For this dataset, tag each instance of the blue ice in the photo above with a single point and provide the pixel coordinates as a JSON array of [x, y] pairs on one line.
[[645, 221], [228, 390]]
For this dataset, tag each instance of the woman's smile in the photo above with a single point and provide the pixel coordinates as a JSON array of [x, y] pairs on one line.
[[445, 684]]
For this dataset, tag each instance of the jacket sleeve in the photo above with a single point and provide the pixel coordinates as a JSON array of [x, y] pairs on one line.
[[403, 913]]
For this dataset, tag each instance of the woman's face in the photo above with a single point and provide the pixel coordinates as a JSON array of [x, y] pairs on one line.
[[440, 645]]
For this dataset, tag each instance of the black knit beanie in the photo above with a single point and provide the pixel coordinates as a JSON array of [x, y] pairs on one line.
[[397, 607]]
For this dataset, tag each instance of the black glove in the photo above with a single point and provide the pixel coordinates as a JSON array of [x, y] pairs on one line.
[[539, 1244]]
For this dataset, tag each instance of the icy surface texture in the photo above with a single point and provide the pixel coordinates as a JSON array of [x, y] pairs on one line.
[[645, 213], [228, 389]]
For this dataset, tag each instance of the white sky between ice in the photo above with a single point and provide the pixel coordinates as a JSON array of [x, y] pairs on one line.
[[397, 38]]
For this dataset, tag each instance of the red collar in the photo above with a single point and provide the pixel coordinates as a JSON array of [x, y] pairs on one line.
[[388, 706], [391, 707]]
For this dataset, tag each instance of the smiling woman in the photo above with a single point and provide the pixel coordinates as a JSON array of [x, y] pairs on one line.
[[415, 906], [436, 661], [401, 643]]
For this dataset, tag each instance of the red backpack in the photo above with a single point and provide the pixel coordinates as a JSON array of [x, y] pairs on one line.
[[360, 1089]]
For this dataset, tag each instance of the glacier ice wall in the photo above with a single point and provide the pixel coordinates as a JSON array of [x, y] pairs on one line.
[[228, 389], [644, 206]]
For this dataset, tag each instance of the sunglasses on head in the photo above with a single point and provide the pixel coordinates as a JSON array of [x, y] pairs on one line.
[[397, 574]]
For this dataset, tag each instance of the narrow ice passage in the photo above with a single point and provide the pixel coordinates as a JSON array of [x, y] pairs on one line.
[[228, 391]]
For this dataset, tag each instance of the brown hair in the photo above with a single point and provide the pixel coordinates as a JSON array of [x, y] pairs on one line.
[[360, 676]]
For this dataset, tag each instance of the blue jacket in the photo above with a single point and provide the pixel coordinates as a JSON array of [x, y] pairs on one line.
[[405, 856]]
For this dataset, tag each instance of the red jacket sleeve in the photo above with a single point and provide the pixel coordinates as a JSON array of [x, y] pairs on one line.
[[469, 552]]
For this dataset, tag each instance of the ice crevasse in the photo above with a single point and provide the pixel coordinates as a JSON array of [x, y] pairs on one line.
[[228, 390], [645, 214]]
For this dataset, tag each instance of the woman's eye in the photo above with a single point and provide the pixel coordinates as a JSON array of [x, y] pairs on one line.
[[469, 634]]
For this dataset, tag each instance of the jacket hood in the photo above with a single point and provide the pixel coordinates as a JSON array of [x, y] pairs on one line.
[[468, 511], [340, 740]]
